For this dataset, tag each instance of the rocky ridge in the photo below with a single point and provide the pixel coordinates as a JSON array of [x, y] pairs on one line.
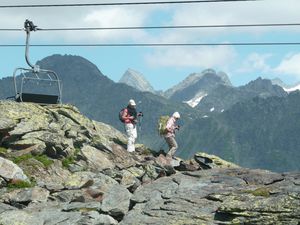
[[59, 167], [135, 79]]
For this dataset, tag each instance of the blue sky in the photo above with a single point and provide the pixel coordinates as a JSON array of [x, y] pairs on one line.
[[162, 66]]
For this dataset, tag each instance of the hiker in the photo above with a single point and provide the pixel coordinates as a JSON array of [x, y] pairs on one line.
[[130, 119], [171, 126]]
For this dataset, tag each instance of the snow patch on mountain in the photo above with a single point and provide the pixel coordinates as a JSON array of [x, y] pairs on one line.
[[195, 101], [286, 87], [295, 88]]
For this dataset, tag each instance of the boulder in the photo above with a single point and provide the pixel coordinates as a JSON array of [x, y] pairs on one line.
[[79, 180], [116, 202], [207, 161], [11, 171], [14, 217], [27, 195], [96, 159]]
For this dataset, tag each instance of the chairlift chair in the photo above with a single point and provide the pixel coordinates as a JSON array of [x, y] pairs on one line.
[[28, 82]]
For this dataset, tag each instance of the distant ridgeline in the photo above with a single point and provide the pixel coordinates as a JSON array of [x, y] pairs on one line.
[[255, 125]]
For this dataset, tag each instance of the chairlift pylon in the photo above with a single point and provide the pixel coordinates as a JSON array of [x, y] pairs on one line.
[[34, 76]]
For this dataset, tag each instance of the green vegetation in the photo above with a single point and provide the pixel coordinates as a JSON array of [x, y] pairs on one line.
[[3, 151], [70, 159], [14, 184], [264, 192], [22, 158], [46, 161], [67, 161], [147, 151]]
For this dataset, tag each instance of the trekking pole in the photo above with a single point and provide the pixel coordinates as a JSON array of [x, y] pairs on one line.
[[140, 119], [140, 123]]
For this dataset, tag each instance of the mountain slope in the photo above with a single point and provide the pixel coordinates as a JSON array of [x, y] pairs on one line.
[[224, 97], [258, 133]]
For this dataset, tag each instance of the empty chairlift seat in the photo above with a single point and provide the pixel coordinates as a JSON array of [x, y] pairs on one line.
[[34, 84], [41, 87]]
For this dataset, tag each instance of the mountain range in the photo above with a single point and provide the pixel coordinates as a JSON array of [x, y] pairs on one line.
[[252, 125]]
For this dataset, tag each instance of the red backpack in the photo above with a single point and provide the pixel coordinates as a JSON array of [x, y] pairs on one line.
[[121, 115]]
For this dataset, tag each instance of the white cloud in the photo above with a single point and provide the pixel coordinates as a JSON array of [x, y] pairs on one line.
[[116, 17], [290, 65], [266, 11], [255, 62], [202, 57], [183, 14], [76, 17]]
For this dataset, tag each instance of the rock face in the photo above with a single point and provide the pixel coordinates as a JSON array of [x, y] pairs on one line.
[[196, 84], [67, 169], [136, 80]]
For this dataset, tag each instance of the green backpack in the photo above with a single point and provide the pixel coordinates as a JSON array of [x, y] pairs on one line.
[[162, 123]]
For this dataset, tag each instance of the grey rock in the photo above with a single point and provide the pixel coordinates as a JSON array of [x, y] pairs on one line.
[[217, 196], [3, 183], [16, 217], [82, 206], [54, 187], [27, 195], [79, 180], [128, 179], [11, 171], [55, 216], [68, 196], [6, 124], [116, 201], [6, 207], [94, 218], [103, 182], [96, 159]]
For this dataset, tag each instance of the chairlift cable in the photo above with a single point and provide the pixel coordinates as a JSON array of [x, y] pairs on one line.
[[121, 3], [173, 27], [156, 44], [159, 27]]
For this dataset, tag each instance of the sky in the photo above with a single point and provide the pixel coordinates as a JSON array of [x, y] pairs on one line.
[[163, 67]]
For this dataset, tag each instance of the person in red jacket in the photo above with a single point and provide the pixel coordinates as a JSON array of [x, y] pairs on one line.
[[129, 117]]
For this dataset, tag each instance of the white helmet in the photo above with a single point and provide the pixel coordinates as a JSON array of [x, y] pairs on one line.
[[131, 102], [176, 115]]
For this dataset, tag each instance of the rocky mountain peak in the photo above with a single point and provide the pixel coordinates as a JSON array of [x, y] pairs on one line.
[[65, 63], [199, 82], [264, 87], [279, 82], [59, 167], [286, 87], [137, 80]]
